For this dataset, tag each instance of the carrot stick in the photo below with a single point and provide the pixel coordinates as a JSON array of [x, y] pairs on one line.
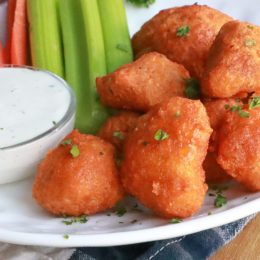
[[10, 21], [19, 39], [2, 55]]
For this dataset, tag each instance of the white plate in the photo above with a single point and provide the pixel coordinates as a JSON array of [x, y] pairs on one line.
[[23, 222]]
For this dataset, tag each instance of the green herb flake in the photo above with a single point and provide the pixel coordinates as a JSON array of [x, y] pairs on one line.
[[192, 89], [175, 220], [120, 211], [254, 102], [160, 135], [81, 220], [241, 113], [66, 142], [251, 27], [54, 123], [227, 106], [122, 47], [67, 222], [183, 31], [74, 151], [220, 201], [141, 3], [250, 42], [119, 135], [177, 114], [66, 236]]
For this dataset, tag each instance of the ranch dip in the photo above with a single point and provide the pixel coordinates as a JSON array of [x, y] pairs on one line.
[[31, 103]]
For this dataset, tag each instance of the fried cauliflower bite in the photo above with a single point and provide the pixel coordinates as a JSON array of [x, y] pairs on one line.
[[163, 158], [74, 184], [233, 63], [216, 110], [184, 34], [239, 147], [142, 84], [117, 127]]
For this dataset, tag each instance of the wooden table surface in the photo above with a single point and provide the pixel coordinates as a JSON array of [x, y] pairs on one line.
[[246, 246]]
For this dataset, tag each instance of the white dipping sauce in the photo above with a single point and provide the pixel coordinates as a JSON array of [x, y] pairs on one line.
[[31, 103], [37, 110]]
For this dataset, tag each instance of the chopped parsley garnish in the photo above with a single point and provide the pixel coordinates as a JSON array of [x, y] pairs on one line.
[[160, 135], [66, 236], [119, 135], [227, 106], [66, 142], [141, 3], [239, 110], [120, 211], [192, 89], [220, 201], [254, 102], [183, 31], [250, 42], [177, 114], [82, 220], [122, 47], [54, 123], [175, 220], [74, 151], [251, 27], [243, 114]]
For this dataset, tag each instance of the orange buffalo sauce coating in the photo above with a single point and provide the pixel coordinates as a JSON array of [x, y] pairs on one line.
[[239, 147], [163, 158], [78, 177], [233, 62], [216, 110], [184, 34], [143, 83], [116, 128]]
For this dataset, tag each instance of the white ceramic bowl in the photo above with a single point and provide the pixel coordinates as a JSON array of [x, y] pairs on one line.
[[20, 160]]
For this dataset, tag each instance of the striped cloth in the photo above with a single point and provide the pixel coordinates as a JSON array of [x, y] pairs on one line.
[[199, 246]]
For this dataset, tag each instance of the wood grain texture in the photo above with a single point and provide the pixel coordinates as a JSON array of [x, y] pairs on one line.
[[246, 246]]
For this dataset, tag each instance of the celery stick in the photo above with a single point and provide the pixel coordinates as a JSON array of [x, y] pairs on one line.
[[45, 35], [97, 113], [75, 54], [84, 59], [116, 35]]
